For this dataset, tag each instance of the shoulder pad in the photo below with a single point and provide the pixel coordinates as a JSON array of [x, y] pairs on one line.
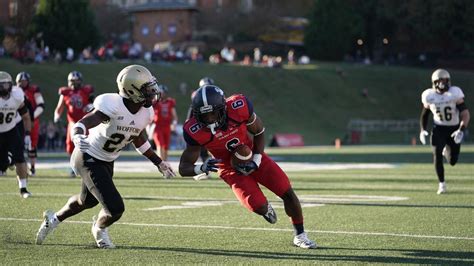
[[64, 90], [35, 88], [239, 108], [195, 131], [107, 103], [88, 88], [425, 94], [18, 94], [457, 92], [151, 115], [173, 101]]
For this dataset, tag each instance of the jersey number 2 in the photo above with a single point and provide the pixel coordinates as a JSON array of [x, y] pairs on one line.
[[115, 139]]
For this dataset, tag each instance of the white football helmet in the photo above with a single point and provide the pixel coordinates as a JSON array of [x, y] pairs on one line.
[[22, 76], [6, 84], [441, 80], [137, 84], [74, 79]]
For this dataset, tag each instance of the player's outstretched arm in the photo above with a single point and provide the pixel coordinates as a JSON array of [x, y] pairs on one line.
[[39, 105], [59, 109], [25, 116], [425, 113], [465, 116], [188, 158], [143, 146], [463, 113]]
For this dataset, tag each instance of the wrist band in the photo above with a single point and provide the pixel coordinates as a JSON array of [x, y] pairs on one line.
[[197, 169], [81, 126], [142, 149], [257, 158]]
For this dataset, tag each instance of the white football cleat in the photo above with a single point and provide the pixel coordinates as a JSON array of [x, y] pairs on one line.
[[46, 227], [202, 176], [303, 241], [442, 188], [101, 236], [24, 193]]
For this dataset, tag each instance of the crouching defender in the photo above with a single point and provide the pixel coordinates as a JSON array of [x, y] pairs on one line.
[[117, 120]]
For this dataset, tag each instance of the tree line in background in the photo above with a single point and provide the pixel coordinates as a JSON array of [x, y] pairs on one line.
[[337, 28], [442, 28]]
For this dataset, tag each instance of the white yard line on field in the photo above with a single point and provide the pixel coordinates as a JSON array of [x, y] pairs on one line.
[[194, 226], [147, 167]]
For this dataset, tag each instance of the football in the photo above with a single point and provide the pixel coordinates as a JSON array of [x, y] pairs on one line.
[[241, 154]]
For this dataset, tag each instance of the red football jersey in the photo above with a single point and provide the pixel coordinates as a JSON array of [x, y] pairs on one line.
[[163, 111], [239, 110], [30, 94], [76, 101]]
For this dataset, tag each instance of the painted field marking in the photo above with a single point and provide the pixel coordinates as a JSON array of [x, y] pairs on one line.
[[147, 167], [194, 226]]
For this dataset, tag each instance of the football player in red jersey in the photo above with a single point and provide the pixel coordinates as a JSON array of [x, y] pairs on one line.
[[77, 98], [221, 124], [165, 120], [36, 102]]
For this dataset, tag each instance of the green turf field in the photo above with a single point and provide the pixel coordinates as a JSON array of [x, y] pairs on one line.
[[182, 221]]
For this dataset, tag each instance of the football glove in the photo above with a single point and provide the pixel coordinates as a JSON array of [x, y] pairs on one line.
[[249, 167], [27, 141], [423, 135], [246, 168], [166, 170], [457, 136], [57, 117], [81, 142], [209, 165]]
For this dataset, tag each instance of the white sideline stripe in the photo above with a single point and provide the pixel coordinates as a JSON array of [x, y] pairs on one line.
[[256, 229], [147, 167]]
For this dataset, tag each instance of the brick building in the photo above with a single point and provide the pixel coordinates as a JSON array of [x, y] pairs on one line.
[[164, 21]]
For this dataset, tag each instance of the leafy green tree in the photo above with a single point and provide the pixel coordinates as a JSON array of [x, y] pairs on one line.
[[64, 23], [334, 28]]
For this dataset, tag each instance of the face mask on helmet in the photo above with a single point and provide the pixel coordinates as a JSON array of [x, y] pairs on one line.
[[74, 80], [441, 85], [75, 83], [5, 89], [151, 93], [440, 80], [209, 107]]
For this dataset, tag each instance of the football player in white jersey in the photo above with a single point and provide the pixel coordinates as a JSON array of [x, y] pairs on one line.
[[12, 104], [450, 119], [117, 119]]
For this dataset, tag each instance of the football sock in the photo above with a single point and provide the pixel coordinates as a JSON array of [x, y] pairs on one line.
[[299, 228], [22, 183]]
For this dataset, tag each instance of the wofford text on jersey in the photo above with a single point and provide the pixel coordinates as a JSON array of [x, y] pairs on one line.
[[129, 129]]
